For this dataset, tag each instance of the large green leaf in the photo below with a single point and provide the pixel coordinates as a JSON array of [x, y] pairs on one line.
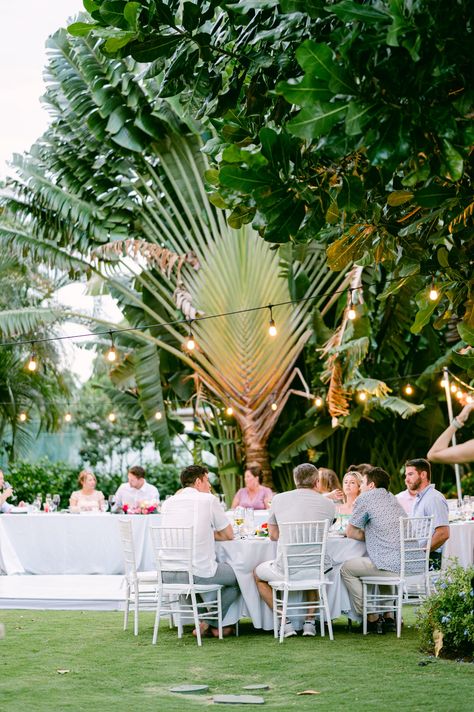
[[301, 437], [317, 120]]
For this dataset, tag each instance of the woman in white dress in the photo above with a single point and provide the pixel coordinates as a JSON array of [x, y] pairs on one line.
[[87, 499]]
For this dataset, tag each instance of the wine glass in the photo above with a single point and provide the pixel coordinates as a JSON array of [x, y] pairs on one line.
[[104, 506], [112, 500], [7, 485], [239, 516], [56, 501]]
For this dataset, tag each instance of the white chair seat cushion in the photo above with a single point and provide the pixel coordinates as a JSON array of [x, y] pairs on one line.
[[147, 576], [303, 585], [382, 580]]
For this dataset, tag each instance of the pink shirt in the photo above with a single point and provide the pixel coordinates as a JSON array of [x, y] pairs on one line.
[[406, 500], [255, 502]]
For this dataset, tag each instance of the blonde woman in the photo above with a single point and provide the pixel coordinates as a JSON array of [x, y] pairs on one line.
[[351, 488], [87, 499]]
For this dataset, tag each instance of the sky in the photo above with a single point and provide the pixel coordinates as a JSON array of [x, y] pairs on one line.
[[24, 28]]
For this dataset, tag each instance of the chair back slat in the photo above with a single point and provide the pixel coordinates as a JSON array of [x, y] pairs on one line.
[[128, 548], [415, 539], [173, 549], [303, 548]]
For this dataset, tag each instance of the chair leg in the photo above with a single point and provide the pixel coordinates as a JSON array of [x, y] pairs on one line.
[[324, 595], [321, 617], [157, 620], [364, 609], [399, 611], [196, 618], [219, 614], [283, 615], [275, 614], [127, 606], [135, 616]]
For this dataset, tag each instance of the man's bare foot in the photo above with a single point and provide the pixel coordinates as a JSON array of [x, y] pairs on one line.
[[226, 631], [204, 628]]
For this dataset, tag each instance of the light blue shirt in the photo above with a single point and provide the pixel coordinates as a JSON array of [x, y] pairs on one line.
[[429, 502]]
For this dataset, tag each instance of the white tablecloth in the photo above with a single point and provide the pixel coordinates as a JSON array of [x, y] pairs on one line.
[[460, 544], [70, 543]]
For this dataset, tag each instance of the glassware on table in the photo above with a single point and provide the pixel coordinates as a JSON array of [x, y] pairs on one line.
[[112, 501], [104, 507], [223, 502], [56, 501], [239, 518], [48, 504], [249, 522], [7, 485]]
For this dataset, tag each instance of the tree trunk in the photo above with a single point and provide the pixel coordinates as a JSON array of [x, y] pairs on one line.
[[256, 453]]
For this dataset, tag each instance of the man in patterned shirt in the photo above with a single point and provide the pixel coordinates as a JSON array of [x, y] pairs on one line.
[[375, 520]]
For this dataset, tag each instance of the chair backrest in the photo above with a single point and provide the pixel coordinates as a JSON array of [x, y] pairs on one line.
[[128, 548], [173, 549], [415, 540], [303, 549]]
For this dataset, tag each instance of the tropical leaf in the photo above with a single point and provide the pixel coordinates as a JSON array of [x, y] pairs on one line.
[[298, 438]]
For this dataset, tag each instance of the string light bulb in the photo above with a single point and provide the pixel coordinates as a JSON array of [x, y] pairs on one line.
[[469, 399], [453, 388], [111, 354], [67, 417], [433, 294], [274, 406], [158, 415], [318, 401], [459, 395], [362, 396], [22, 417], [111, 417], [32, 364], [443, 383], [272, 330], [190, 343], [229, 410], [408, 390]]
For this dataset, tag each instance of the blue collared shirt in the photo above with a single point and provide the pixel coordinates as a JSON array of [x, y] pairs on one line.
[[429, 502]]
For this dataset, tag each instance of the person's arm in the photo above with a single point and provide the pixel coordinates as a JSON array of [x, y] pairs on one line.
[[236, 500], [441, 451], [336, 495], [224, 534], [273, 532], [5, 495], [353, 532], [267, 500], [440, 535], [73, 499]]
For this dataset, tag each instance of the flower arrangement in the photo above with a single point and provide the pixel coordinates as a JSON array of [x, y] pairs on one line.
[[262, 530], [446, 619], [141, 508]]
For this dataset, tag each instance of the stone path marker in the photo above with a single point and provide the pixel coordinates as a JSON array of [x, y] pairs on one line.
[[257, 686], [189, 689], [238, 700]]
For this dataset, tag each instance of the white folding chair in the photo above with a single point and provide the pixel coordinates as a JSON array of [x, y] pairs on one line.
[[303, 548], [141, 587], [414, 579], [173, 549]]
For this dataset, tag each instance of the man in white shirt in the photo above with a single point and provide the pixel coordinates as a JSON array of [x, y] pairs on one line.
[[407, 499], [136, 490], [303, 504], [195, 506]]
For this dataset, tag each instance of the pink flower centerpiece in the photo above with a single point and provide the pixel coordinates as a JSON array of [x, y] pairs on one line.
[[141, 508]]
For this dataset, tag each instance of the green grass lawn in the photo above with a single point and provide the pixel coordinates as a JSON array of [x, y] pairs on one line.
[[112, 670]]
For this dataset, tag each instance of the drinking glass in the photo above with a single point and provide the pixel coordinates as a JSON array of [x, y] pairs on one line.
[[56, 500], [223, 502], [7, 485], [239, 517], [249, 522], [112, 501], [105, 506]]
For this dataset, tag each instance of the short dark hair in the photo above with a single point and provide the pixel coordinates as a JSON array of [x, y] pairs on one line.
[[192, 473], [256, 471], [420, 465], [362, 469], [138, 471], [379, 477]]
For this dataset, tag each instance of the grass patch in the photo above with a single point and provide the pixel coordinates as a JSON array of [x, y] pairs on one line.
[[112, 670]]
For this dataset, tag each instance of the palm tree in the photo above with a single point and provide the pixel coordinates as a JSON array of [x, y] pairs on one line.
[[116, 190]]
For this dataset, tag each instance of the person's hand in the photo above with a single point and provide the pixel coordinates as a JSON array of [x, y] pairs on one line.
[[465, 413], [336, 495], [8, 492]]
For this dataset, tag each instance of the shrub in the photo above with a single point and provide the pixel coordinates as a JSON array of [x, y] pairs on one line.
[[448, 614], [45, 477]]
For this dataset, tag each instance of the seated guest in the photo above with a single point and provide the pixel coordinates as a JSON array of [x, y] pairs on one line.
[[194, 503], [5, 494], [441, 451], [406, 499], [362, 469], [351, 488], [375, 520], [254, 495], [303, 504], [329, 485], [136, 490], [87, 499], [428, 502]]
